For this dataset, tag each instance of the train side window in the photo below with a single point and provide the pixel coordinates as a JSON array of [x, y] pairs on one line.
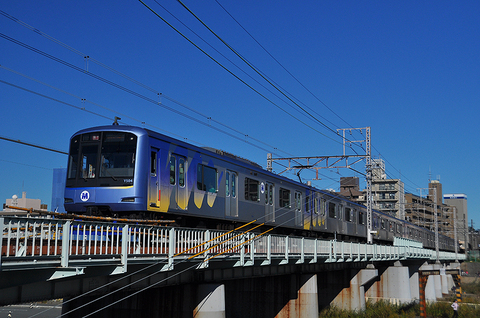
[[267, 186], [382, 222], [284, 197], [298, 201], [348, 216], [331, 210], [172, 170], [270, 195], [230, 184], [298, 208], [315, 205], [153, 164], [234, 185], [206, 178], [227, 184], [361, 218], [252, 189], [323, 207], [181, 172]]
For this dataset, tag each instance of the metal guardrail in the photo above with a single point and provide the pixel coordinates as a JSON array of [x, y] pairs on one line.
[[40, 242]]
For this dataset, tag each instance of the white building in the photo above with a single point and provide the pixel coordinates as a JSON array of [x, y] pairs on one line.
[[24, 202]]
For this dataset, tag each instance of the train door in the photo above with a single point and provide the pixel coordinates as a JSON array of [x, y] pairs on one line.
[[231, 197], [269, 202], [154, 183], [178, 182]]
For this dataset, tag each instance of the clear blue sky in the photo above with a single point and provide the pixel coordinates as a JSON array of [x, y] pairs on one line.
[[410, 70]]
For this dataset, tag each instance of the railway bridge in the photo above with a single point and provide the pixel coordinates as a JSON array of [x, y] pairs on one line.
[[112, 269]]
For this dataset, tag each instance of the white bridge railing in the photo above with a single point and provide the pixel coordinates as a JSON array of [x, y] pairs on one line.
[[40, 242]]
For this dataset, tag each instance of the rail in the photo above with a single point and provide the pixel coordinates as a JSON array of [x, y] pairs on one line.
[[44, 242]]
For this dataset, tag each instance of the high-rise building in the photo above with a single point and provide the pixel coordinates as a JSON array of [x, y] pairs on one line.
[[58, 189], [459, 202], [388, 195]]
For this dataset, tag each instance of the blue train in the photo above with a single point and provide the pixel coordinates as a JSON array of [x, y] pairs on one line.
[[129, 171]]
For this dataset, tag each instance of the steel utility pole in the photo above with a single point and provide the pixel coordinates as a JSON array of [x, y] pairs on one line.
[[295, 163], [368, 170], [435, 220], [436, 224], [455, 232]]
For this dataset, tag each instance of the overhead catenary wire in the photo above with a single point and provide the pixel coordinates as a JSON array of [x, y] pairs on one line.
[[286, 70], [255, 69], [76, 107], [83, 55], [125, 115], [234, 75], [103, 65], [127, 89], [133, 80]]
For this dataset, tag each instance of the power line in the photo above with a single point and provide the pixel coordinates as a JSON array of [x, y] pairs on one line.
[[33, 145], [121, 74], [231, 73], [286, 70], [255, 69], [163, 105], [138, 94]]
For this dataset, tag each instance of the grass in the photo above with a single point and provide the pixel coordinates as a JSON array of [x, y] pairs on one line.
[[384, 309]]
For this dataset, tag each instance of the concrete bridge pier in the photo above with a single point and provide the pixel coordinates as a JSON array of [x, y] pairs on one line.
[[305, 304], [181, 301], [393, 284], [293, 296], [433, 288], [353, 297], [212, 301], [345, 289]]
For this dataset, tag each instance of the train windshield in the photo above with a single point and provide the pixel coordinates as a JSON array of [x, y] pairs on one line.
[[102, 159]]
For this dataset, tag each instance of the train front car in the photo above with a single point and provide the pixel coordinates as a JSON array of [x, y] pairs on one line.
[[105, 171]]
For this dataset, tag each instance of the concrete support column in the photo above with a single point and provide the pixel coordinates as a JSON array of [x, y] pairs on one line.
[[393, 285], [305, 305], [438, 282], [430, 289], [211, 301], [292, 295], [414, 287], [444, 281], [353, 297]]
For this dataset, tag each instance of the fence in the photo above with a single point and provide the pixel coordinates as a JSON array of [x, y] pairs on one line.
[[37, 241]]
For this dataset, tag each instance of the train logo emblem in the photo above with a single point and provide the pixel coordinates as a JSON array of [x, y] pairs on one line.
[[84, 196]]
